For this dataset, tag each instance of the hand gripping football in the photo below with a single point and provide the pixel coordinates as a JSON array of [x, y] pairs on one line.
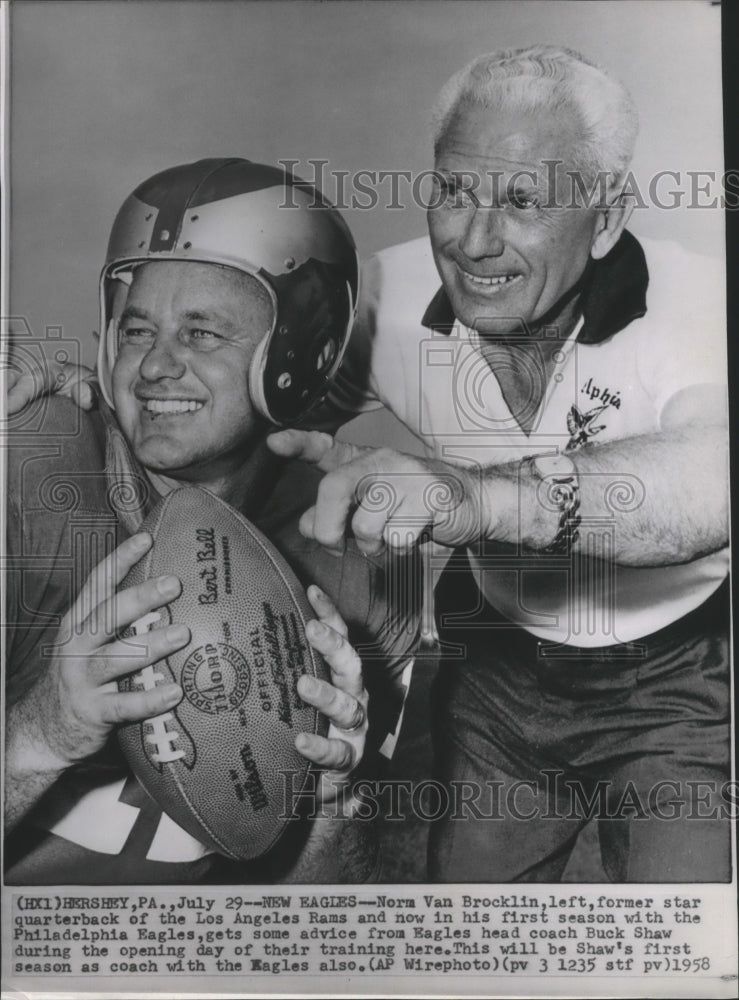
[[223, 763]]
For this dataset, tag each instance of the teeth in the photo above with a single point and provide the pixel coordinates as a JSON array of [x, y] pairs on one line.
[[171, 405], [503, 280]]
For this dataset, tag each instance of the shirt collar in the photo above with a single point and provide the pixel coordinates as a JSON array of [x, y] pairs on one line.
[[614, 294]]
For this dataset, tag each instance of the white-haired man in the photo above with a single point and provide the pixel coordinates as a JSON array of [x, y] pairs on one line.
[[584, 623], [569, 382]]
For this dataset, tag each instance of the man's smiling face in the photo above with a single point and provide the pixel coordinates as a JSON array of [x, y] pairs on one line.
[[511, 249], [180, 380]]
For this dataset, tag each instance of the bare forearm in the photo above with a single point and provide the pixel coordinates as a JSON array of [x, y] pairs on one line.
[[29, 771], [339, 850], [663, 498], [22, 792]]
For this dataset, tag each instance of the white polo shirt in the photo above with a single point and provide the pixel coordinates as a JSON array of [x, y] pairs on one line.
[[650, 328]]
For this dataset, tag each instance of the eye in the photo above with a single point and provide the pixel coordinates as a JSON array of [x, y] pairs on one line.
[[202, 339], [451, 193], [524, 199], [135, 335]]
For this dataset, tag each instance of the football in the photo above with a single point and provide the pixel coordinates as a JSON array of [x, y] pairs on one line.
[[223, 763]]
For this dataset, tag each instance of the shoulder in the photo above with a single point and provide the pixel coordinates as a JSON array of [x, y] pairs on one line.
[[56, 426], [406, 270], [53, 444], [55, 477], [670, 254], [684, 286], [55, 462], [397, 286], [681, 340], [415, 252], [685, 321]]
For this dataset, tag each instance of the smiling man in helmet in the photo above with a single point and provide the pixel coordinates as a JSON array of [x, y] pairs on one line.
[[223, 313]]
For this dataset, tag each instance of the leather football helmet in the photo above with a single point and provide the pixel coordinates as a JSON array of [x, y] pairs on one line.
[[269, 224]]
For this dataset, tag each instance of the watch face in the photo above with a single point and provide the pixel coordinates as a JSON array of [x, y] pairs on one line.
[[559, 466]]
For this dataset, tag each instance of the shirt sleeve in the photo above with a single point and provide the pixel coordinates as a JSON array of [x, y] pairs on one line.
[[58, 526], [686, 345]]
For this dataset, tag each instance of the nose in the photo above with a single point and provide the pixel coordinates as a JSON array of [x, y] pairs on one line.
[[164, 359], [483, 235]]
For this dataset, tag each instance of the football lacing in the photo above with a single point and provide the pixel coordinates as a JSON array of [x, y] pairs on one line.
[[163, 738], [160, 738]]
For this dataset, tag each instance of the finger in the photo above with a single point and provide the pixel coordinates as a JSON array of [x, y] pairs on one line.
[[129, 606], [334, 754], [326, 610], [306, 527], [305, 524], [368, 528], [105, 577], [334, 503], [42, 380], [391, 511], [342, 658], [10, 374], [343, 710], [133, 706], [21, 390], [136, 652], [84, 395], [403, 538], [316, 447], [66, 378]]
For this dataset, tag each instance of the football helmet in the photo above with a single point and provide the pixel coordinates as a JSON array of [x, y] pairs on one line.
[[263, 221]]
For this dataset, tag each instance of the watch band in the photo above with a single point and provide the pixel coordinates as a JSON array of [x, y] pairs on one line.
[[563, 490]]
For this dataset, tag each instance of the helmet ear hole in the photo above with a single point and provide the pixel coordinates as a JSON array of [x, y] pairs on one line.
[[325, 354]]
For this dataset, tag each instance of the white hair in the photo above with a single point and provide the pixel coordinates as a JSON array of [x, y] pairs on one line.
[[548, 78]]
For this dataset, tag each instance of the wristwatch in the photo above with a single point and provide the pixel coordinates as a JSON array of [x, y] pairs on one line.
[[559, 473]]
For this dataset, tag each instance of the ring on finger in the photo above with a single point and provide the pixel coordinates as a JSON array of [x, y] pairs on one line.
[[359, 716], [382, 547]]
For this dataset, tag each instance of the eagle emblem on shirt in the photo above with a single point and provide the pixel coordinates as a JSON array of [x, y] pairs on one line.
[[582, 427]]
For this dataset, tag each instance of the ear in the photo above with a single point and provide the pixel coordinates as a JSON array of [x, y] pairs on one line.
[[610, 224]]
